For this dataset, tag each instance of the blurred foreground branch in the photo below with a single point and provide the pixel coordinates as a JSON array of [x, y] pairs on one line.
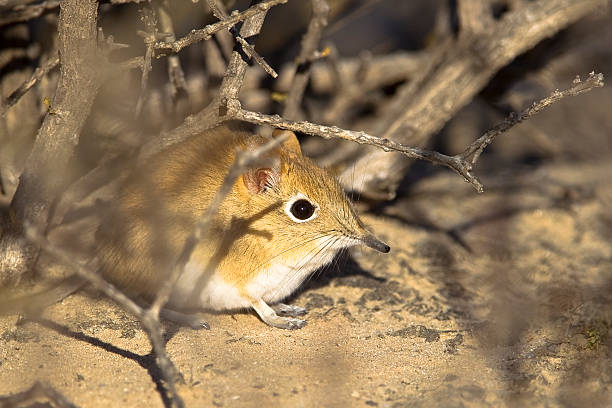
[[33, 395], [148, 317]]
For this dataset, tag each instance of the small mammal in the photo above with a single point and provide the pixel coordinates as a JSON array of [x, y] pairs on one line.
[[277, 226]]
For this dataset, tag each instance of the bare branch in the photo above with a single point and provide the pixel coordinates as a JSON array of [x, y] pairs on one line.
[[149, 36], [206, 32], [578, 87], [330, 132], [27, 12], [310, 43], [40, 72], [251, 53], [461, 164], [420, 108], [175, 71], [45, 172]]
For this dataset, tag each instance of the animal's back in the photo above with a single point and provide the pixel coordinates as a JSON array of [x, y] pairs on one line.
[[158, 206]]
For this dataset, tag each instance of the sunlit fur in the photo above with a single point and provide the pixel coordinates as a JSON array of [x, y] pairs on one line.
[[255, 251]]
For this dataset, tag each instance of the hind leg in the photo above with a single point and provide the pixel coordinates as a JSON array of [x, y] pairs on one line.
[[185, 319]]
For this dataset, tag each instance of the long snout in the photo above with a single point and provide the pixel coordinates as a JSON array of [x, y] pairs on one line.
[[374, 243]]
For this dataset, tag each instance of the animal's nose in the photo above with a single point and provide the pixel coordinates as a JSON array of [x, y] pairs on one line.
[[375, 243]]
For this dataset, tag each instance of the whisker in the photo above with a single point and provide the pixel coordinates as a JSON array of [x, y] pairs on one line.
[[324, 248], [322, 235], [295, 274], [308, 257]]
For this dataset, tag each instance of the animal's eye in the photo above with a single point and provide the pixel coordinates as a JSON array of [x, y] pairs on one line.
[[302, 209]]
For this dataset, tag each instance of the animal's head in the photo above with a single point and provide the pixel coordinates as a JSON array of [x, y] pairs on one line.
[[303, 207]]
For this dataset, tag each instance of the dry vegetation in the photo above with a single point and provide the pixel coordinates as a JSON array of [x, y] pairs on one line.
[[486, 299]]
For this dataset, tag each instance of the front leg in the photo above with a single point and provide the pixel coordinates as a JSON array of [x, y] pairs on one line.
[[269, 316]]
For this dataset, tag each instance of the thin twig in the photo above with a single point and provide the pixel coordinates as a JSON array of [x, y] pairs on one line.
[[148, 319], [175, 71], [40, 72], [249, 50], [206, 32], [331, 132], [578, 87], [149, 36], [310, 43]]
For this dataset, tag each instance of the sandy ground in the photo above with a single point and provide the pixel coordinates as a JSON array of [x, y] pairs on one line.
[[500, 299]]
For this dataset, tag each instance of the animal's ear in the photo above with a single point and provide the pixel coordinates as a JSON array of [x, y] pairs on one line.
[[260, 179], [291, 143]]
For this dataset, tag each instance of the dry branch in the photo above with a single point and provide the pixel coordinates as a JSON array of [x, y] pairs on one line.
[[421, 109], [40, 72], [250, 52], [216, 111], [474, 150], [23, 13], [310, 43], [206, 32], [175, 71], [462, 163], [45, 172]]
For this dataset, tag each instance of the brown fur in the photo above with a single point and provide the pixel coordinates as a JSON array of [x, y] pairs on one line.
[[157, 209]]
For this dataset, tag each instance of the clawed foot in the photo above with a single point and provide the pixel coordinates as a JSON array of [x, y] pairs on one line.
[[269, 316], [289, 310], [287, 323]]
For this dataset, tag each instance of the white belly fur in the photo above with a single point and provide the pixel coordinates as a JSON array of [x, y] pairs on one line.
[[272, 285], [281, 279]]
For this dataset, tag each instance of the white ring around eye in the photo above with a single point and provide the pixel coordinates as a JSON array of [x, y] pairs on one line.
[[300, 196]]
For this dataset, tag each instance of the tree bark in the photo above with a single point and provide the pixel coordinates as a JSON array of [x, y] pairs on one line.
[[47, 171]]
